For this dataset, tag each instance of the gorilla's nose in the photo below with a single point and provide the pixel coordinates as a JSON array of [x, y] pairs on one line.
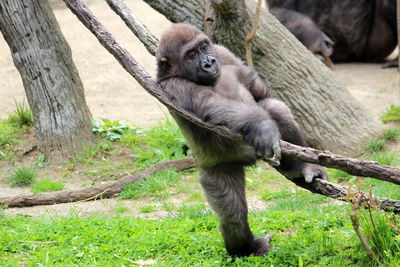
[[208, 62]]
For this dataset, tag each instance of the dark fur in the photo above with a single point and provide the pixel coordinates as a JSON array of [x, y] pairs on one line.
[[306, 31], [362, 30], [237, 99]]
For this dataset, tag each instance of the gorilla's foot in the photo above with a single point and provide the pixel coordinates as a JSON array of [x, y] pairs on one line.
[[261, 245]]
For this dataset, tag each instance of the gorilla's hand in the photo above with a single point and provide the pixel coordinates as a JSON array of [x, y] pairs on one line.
[[311, 171], [264, 137]]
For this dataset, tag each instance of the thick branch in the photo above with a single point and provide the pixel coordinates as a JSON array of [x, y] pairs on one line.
[[136, 26], [130, 64], [94, 192]]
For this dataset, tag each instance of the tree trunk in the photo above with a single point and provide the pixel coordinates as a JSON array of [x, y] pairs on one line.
[[398, 34], [52, 84], [331, 118]]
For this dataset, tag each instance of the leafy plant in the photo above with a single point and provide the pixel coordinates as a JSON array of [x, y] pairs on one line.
[[22, 115], [46, 185], [392, 115], [41, 162], [22, 176], [111, 130]]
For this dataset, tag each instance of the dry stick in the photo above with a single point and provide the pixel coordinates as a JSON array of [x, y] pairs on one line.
[[130, 64], [252, 34], [354, 216], [102, 191]]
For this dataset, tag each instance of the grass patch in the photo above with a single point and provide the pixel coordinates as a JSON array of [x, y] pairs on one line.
[[386, 158], [46, 185], [273, 195], [120, 208], [22, 177], [22, 115], [147, 208], [376, 146], [383, 238], [158, 143], [8, 133], [319, 237], [391, 134], [153, 186], [392, 115]]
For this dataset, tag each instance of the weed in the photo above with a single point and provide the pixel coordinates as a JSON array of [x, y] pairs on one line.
[[376, 146], [41, 162], [46, 185], [8, 133], [120, 208], [383, 238], [111, 130], [147, 208], [22, 177], [392, 115], [391, 134], [22, 115]]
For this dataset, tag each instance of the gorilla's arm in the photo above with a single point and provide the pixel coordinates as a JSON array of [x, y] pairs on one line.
[[251, 121], [246, 75]]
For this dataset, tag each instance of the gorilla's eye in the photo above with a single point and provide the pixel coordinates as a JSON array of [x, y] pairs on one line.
[[205, 47], [191, 54]]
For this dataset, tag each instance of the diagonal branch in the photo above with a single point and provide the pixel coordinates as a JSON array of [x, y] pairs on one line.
[[305, 154]]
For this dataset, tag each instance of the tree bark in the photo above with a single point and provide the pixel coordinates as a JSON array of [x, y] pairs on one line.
[[51, 81], [331, 118]]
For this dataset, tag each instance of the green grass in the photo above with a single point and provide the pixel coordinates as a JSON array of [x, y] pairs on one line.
[[392, 115], [22, 115], [322, 236], [22, 177], [386, 158], [383, 238], [391, 134], [156, 186], [8, 133], [376, 146], [120, 208], [147, 208], [46, 185], [158, 143]]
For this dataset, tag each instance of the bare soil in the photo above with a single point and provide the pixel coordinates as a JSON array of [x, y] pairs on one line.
[[112, 93]]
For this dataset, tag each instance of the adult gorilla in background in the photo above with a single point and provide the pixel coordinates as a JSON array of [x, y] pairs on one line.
[[214, 85], [362, 30]]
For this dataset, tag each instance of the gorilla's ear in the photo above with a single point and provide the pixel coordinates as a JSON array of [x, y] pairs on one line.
[[164, 63]]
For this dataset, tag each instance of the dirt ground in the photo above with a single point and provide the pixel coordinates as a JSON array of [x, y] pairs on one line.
[[112, 93]]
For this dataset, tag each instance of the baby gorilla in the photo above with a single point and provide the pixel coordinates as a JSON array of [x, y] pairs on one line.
[[307, 32], [208, 81]]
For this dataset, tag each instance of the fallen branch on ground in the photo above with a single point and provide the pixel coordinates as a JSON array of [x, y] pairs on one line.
[[94, 192]]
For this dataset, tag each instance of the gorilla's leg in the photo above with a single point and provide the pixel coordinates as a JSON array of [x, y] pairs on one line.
[[224, 187], [291, 133]]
